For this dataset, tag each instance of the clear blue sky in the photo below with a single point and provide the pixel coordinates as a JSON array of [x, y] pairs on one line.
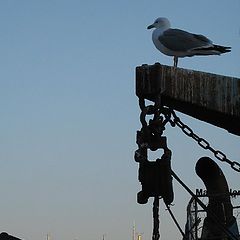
[[69, 113]]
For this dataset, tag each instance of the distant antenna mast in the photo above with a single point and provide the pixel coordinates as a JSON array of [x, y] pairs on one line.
[[134, 231]]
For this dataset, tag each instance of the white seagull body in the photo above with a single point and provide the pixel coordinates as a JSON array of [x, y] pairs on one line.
[[179, 43]]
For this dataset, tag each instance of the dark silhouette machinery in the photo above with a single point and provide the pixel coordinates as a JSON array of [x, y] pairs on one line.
[[219, 222], [5, 236], [215, 99]]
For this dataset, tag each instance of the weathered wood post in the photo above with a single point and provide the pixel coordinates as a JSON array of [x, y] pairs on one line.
[[208, 97]]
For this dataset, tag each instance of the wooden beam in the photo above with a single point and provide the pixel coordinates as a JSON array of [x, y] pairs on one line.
[[208, 97]]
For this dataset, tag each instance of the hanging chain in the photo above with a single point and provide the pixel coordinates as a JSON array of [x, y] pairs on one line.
[[155, 176], [150, 138], [201, 141]]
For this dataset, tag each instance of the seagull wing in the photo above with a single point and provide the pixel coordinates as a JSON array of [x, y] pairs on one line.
[[182, 41]]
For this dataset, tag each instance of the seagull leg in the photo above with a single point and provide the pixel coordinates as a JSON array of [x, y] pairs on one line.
[[175, 59]]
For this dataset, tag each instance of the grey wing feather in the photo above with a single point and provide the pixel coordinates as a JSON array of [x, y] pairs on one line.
[[202, 38], [179, 40]]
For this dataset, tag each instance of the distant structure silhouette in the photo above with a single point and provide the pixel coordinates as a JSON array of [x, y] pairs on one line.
[[5, 236]]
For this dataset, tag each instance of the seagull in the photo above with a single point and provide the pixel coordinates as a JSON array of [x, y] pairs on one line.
[[180, 43]]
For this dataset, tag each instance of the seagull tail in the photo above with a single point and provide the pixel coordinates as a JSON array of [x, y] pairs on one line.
[[211, 50], [221, 49]]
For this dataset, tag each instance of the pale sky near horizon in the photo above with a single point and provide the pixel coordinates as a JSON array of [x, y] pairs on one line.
[[69, 113]]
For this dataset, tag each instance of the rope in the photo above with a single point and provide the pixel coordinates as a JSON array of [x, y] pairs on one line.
[[156, 234], [175, 220]]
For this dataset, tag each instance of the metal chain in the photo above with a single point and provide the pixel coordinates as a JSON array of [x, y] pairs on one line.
[[153, 118], [155, 126], [201, 141]]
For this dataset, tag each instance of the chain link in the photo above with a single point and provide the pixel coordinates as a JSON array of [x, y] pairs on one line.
[[201, 141], [153, 118]]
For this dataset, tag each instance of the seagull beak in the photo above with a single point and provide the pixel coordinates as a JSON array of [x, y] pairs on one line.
[[150, 26]]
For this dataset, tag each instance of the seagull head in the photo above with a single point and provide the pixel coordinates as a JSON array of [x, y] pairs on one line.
[[160, 22]]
